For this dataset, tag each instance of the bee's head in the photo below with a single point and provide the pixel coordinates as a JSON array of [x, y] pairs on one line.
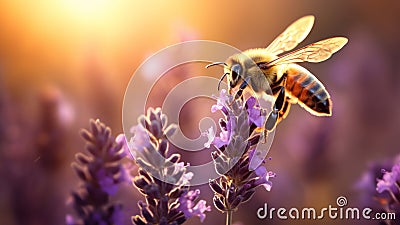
[[234, 70]]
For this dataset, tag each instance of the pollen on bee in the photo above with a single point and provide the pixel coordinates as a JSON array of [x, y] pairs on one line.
[[259, 129]]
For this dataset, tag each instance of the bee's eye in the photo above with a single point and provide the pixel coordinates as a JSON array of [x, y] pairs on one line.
[[236, 70]]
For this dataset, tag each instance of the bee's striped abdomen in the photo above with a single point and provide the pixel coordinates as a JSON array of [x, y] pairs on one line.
[[309, 91]]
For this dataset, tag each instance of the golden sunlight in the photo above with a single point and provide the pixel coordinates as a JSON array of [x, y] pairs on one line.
[[90, 10]]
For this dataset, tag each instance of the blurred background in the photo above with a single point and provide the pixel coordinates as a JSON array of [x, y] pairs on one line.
[[66, 61]]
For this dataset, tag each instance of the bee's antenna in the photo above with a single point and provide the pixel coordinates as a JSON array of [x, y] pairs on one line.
[[220, 80], [223, 76], [216, 63]]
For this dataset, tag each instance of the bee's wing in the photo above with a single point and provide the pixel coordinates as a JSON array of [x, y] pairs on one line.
[[316, 52], [292, 36]]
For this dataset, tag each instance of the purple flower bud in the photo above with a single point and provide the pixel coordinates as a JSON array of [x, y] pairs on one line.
[[106, 182], [219, 203], [215, 187]]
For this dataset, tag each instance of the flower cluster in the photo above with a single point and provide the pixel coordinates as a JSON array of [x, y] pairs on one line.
[[101, 171], [379, 187], [390, 183], [162, 179], [236, 144]]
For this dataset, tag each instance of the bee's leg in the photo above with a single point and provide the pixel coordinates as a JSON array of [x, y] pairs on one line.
[[242, 87], [272, 119], [276, 90], [286, 104], [278, 106], [285, 110], [275, 116]]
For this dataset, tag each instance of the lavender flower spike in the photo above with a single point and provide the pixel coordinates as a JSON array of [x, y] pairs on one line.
[[101, 172], [162, 179], [235, 147]]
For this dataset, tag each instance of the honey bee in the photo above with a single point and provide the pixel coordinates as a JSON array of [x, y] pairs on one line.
[[290, 83]]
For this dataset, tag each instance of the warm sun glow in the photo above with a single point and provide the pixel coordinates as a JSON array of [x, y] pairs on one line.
[[89, 8], [46, 39]]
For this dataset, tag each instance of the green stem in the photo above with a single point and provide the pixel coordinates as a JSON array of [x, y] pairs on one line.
[[229, 217]]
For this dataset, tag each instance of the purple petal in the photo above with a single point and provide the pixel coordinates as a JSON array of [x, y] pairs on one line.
[[223, 95], [117, 217], [215, 108], [210, 134], [221, 101], [140, 140], [69, 220], [261, 171], [251, 102], [200, 209], [255, 117], [106, 182], [267, 185], [264, 177], [222, 140]]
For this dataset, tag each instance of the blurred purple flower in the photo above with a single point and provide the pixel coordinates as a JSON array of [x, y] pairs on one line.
[[379, 187], [390, 182], [168, 201], [101, 172]]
